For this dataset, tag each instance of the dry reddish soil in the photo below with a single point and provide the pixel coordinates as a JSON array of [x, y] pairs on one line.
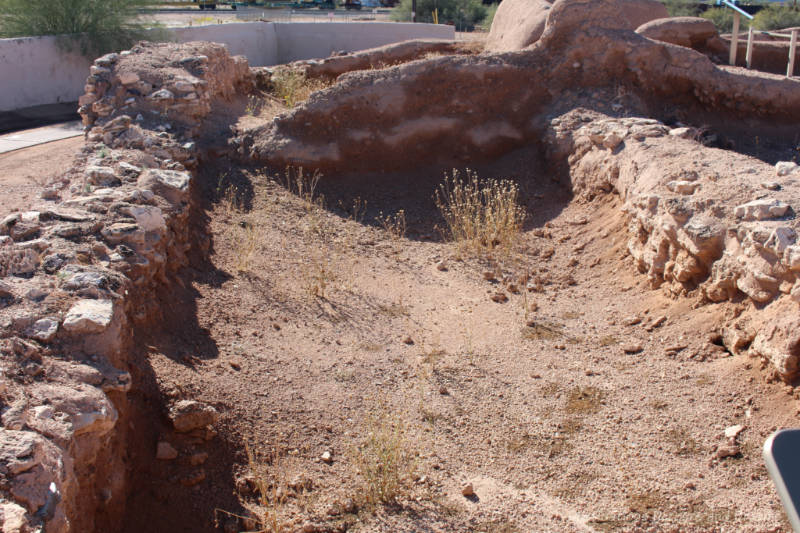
[[308, 327], [25, 172]]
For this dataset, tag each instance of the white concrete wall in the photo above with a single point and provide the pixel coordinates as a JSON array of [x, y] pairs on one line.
[[257, 41], [312, 40], [36, 71]]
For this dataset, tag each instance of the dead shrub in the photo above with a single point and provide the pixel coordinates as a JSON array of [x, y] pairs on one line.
[[384, 459], [292, 86], [481, 215]]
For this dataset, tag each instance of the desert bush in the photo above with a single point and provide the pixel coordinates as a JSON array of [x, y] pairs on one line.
[[92, 27], [463, 14], [723, 19], [681, 8], [777, 18], [482, 214]]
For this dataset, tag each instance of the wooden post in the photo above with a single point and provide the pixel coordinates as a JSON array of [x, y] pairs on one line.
[[734, 38], [749, 56], [792, 43]]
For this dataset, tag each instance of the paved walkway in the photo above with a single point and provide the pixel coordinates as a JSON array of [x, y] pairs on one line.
[[23, 139]]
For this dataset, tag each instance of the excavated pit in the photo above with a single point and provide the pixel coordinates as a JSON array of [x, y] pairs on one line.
[[171, 277]]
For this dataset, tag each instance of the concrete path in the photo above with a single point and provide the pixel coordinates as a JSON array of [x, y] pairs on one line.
[[23, 139]]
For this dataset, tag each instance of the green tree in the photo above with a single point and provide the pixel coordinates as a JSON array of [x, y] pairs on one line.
[[94, 27], [681, 8], [464, 14], [486, 24], [722, 17], [777, 18]]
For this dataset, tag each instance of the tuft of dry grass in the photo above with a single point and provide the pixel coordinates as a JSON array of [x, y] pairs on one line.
[[394, 225], [384, 459], [271, 495], [319, 275], [292, 86], [246, 245], [584, 400], [481, 215], [304, 185]]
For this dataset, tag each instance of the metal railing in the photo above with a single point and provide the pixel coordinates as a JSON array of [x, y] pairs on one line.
[[737, 16]]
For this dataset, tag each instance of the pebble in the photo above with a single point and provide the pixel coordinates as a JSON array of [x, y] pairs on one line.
[[441, 266], [165, 451], [632, 348], [408, 340], [632, 321], [443, 391], [731, 432], [198, 458], [467, 491], [194, 478], [657, 323], [499, 297], [326, 457], [727, 450], [349, 506], [488, 275]]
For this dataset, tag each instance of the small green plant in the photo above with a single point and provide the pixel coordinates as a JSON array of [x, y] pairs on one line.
[[481, 215], [394, 225], [384, 459], [254, 105]]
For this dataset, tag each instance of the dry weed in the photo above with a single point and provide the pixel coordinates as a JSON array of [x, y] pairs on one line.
[[304, 185], [394, 225], [292, 86], [246, 245], [584, 400], [271, 492], [481, 215], [384, 459], [318, 275], [254, 105]]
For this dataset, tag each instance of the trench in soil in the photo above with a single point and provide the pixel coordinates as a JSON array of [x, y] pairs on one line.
[[294, 321]]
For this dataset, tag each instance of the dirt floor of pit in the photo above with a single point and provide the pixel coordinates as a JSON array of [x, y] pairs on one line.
[[555, 426], [23, 173], [308, 326]]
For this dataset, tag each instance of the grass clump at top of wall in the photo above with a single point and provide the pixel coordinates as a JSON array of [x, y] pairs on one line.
[[92, 27]]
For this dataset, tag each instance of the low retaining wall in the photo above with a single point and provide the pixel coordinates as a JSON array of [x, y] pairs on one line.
[[36, 71]]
